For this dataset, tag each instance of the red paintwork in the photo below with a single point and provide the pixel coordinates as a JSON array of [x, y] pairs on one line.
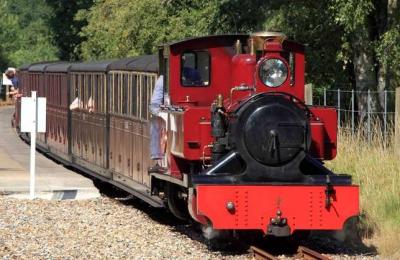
[[324, 146], [197, 119], [317, 139], [302, 206], [243, 72], [243, 69]]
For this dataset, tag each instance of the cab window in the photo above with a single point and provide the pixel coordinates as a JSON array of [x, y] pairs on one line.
[[195, 69]]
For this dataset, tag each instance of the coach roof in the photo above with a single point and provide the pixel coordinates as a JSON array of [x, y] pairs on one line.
[[24, 67], [92, 66], [41, 66], [148, 63], [59, 67]]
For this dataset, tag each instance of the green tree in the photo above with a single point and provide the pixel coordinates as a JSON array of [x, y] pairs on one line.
[[25, 35], [369, 30], [3, 60], [65, 28], [117, 29]]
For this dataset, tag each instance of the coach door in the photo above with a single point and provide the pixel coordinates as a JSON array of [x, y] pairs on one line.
[[136, 127], [129, 124], [147, 85], [125, 147], [76, 98]]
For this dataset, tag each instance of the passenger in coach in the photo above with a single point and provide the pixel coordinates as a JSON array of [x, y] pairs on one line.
[[90, 105], [11, 74], [157, 127], [14, 89], [76, 103]]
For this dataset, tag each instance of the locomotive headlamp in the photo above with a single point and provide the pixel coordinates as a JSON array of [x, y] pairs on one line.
[[273, 72]]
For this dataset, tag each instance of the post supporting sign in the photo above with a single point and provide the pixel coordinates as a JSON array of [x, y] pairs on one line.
[[33, 120]]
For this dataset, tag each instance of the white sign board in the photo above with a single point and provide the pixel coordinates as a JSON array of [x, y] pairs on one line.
[[6, 81], [33, 120], [28, 116]]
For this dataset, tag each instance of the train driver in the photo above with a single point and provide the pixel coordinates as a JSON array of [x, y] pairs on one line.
[[191, 77], [157, 127]]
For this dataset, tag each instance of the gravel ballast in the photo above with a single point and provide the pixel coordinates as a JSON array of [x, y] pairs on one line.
[[104, 228], [95, 229]]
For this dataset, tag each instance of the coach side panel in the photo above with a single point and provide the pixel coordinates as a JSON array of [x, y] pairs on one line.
[[57, 113], [130, 94], [89, 121]]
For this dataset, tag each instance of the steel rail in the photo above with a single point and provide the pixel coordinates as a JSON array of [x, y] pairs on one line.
[[308, 254], [259, 254], [302, 253]]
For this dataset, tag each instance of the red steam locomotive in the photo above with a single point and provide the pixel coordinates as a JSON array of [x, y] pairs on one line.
[[242, 149]]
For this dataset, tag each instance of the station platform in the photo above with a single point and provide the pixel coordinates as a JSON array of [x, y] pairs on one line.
[[53, 180]]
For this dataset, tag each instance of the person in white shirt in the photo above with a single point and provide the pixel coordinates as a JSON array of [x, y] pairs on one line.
[[157, 126]]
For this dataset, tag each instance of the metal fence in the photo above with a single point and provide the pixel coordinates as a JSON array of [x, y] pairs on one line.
[[378, 116]]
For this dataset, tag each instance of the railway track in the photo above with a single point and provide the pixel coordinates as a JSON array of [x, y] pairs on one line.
[[302, 253]]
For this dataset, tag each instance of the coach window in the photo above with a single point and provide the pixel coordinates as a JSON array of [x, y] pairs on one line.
[[195, 69], [125, 94], [95, 91], [73, 88], [100, 91], [120, 93], [145, 94], [101, 79], [135, 94], [81, 89], [89, 92], [116, 94], [128, 93]]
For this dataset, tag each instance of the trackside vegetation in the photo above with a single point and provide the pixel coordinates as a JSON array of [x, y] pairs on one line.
[[376, 168]]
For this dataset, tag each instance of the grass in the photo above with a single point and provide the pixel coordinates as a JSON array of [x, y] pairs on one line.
[[375, 167]]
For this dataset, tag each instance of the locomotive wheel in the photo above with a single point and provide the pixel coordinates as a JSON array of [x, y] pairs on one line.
[[177, 204]]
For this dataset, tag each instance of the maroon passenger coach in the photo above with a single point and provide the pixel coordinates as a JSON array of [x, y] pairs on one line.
[[242, 149]]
